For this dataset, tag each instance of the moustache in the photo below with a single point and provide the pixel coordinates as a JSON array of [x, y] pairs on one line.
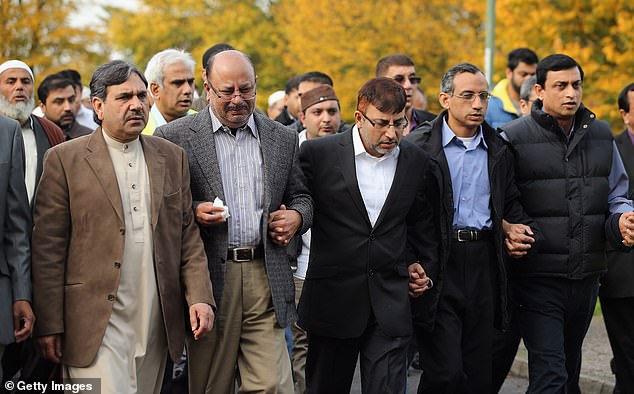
[[135, 114], [237, 107]]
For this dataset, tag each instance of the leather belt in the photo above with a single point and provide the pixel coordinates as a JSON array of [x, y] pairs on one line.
[[466, 235], [246, 254]]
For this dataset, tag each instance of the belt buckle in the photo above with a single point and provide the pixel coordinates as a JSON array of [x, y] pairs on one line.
[[237, 251], [467, 235]]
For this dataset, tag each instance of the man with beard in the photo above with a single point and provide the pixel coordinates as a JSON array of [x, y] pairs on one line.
[[17, 102], [504, 105], [58, 99], [170, 75], [38, 134]]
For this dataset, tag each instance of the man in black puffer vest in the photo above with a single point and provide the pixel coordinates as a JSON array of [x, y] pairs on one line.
[[573, 184]]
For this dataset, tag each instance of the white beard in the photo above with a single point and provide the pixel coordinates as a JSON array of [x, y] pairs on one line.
[[19, 111]]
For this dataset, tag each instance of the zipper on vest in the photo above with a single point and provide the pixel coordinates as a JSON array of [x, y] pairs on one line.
[[583, 164]]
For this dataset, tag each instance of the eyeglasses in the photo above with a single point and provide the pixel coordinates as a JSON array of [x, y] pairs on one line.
[[227, 95], [381, 124], [470, 96], [412, 79]]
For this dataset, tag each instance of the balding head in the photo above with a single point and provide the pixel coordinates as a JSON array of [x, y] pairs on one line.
[[229, 73]]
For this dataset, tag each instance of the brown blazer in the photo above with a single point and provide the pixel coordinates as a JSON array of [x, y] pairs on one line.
[[78, 240]]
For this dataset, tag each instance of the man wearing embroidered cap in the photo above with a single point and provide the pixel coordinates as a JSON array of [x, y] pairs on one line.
[[320, 112]]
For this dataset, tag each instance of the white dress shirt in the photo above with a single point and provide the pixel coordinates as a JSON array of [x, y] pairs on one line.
[[374, 175]]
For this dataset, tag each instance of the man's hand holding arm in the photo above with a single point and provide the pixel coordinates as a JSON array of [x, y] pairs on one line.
[[626, 227], [518, 239], [419, 282], [283, 224]]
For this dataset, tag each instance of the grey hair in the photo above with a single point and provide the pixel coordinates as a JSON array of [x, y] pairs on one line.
[[527, 87], [155, 70], [112, 73], [446, 83]]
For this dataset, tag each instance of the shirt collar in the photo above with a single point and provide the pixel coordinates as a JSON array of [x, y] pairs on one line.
[[302, 136], [158, 117], [448, 135], [217, 125], [359, 149]]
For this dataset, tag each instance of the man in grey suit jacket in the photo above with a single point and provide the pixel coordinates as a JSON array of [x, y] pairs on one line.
[[248, 164], [16, 316]]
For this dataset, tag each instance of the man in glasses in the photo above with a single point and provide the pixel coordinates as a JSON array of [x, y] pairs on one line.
[[475, 178], [373, 234], [401, 68], [505, 103], [250, 199]]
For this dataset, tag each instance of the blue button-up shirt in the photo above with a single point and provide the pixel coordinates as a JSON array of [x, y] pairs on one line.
[[468, 167]]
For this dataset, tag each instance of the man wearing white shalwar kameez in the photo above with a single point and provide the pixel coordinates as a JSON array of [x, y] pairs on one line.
[[118, 258], [132, 356]]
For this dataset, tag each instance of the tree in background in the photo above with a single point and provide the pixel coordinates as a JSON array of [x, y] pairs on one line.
[[39, 33], [596, 33], [195, 26]]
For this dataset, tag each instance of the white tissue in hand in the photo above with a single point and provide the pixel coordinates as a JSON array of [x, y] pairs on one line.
[[218, 203]]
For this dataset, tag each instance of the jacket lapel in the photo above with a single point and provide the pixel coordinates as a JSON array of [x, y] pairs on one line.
[[400, 176], [348, 171], [99, 160], [203, 148], [268, 148], [155, 163]]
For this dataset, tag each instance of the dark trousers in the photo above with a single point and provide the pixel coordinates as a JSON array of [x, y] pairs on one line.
[[505, 346], [330, 362], [618, 315], [554, 315], [456, 355]]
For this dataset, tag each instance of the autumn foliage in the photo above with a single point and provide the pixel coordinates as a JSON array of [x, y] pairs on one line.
[[343, 38]]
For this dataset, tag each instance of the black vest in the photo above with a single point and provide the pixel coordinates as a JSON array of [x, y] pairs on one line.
[[564, 187]]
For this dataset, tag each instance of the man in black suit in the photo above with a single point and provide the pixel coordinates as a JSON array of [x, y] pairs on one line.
[[372, 235], [617, 290]]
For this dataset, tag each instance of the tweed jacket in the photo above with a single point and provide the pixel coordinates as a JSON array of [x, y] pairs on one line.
[[78, 244], [284, 183]]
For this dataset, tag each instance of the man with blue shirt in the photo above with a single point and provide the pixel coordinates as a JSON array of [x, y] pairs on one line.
[[573, 184], [170, 75], [475, 181]]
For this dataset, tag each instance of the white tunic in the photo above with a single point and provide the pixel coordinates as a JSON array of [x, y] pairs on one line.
[[132, 357]]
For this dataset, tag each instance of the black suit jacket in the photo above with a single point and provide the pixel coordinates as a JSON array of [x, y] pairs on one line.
[[618, 282], [356, 269]]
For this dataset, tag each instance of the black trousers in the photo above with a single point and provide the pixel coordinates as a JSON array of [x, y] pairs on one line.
[[554, 315], [505, 345], [618, 315], [330, 362], [456, 355]]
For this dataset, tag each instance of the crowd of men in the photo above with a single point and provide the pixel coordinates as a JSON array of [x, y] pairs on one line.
[[164, 245]]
